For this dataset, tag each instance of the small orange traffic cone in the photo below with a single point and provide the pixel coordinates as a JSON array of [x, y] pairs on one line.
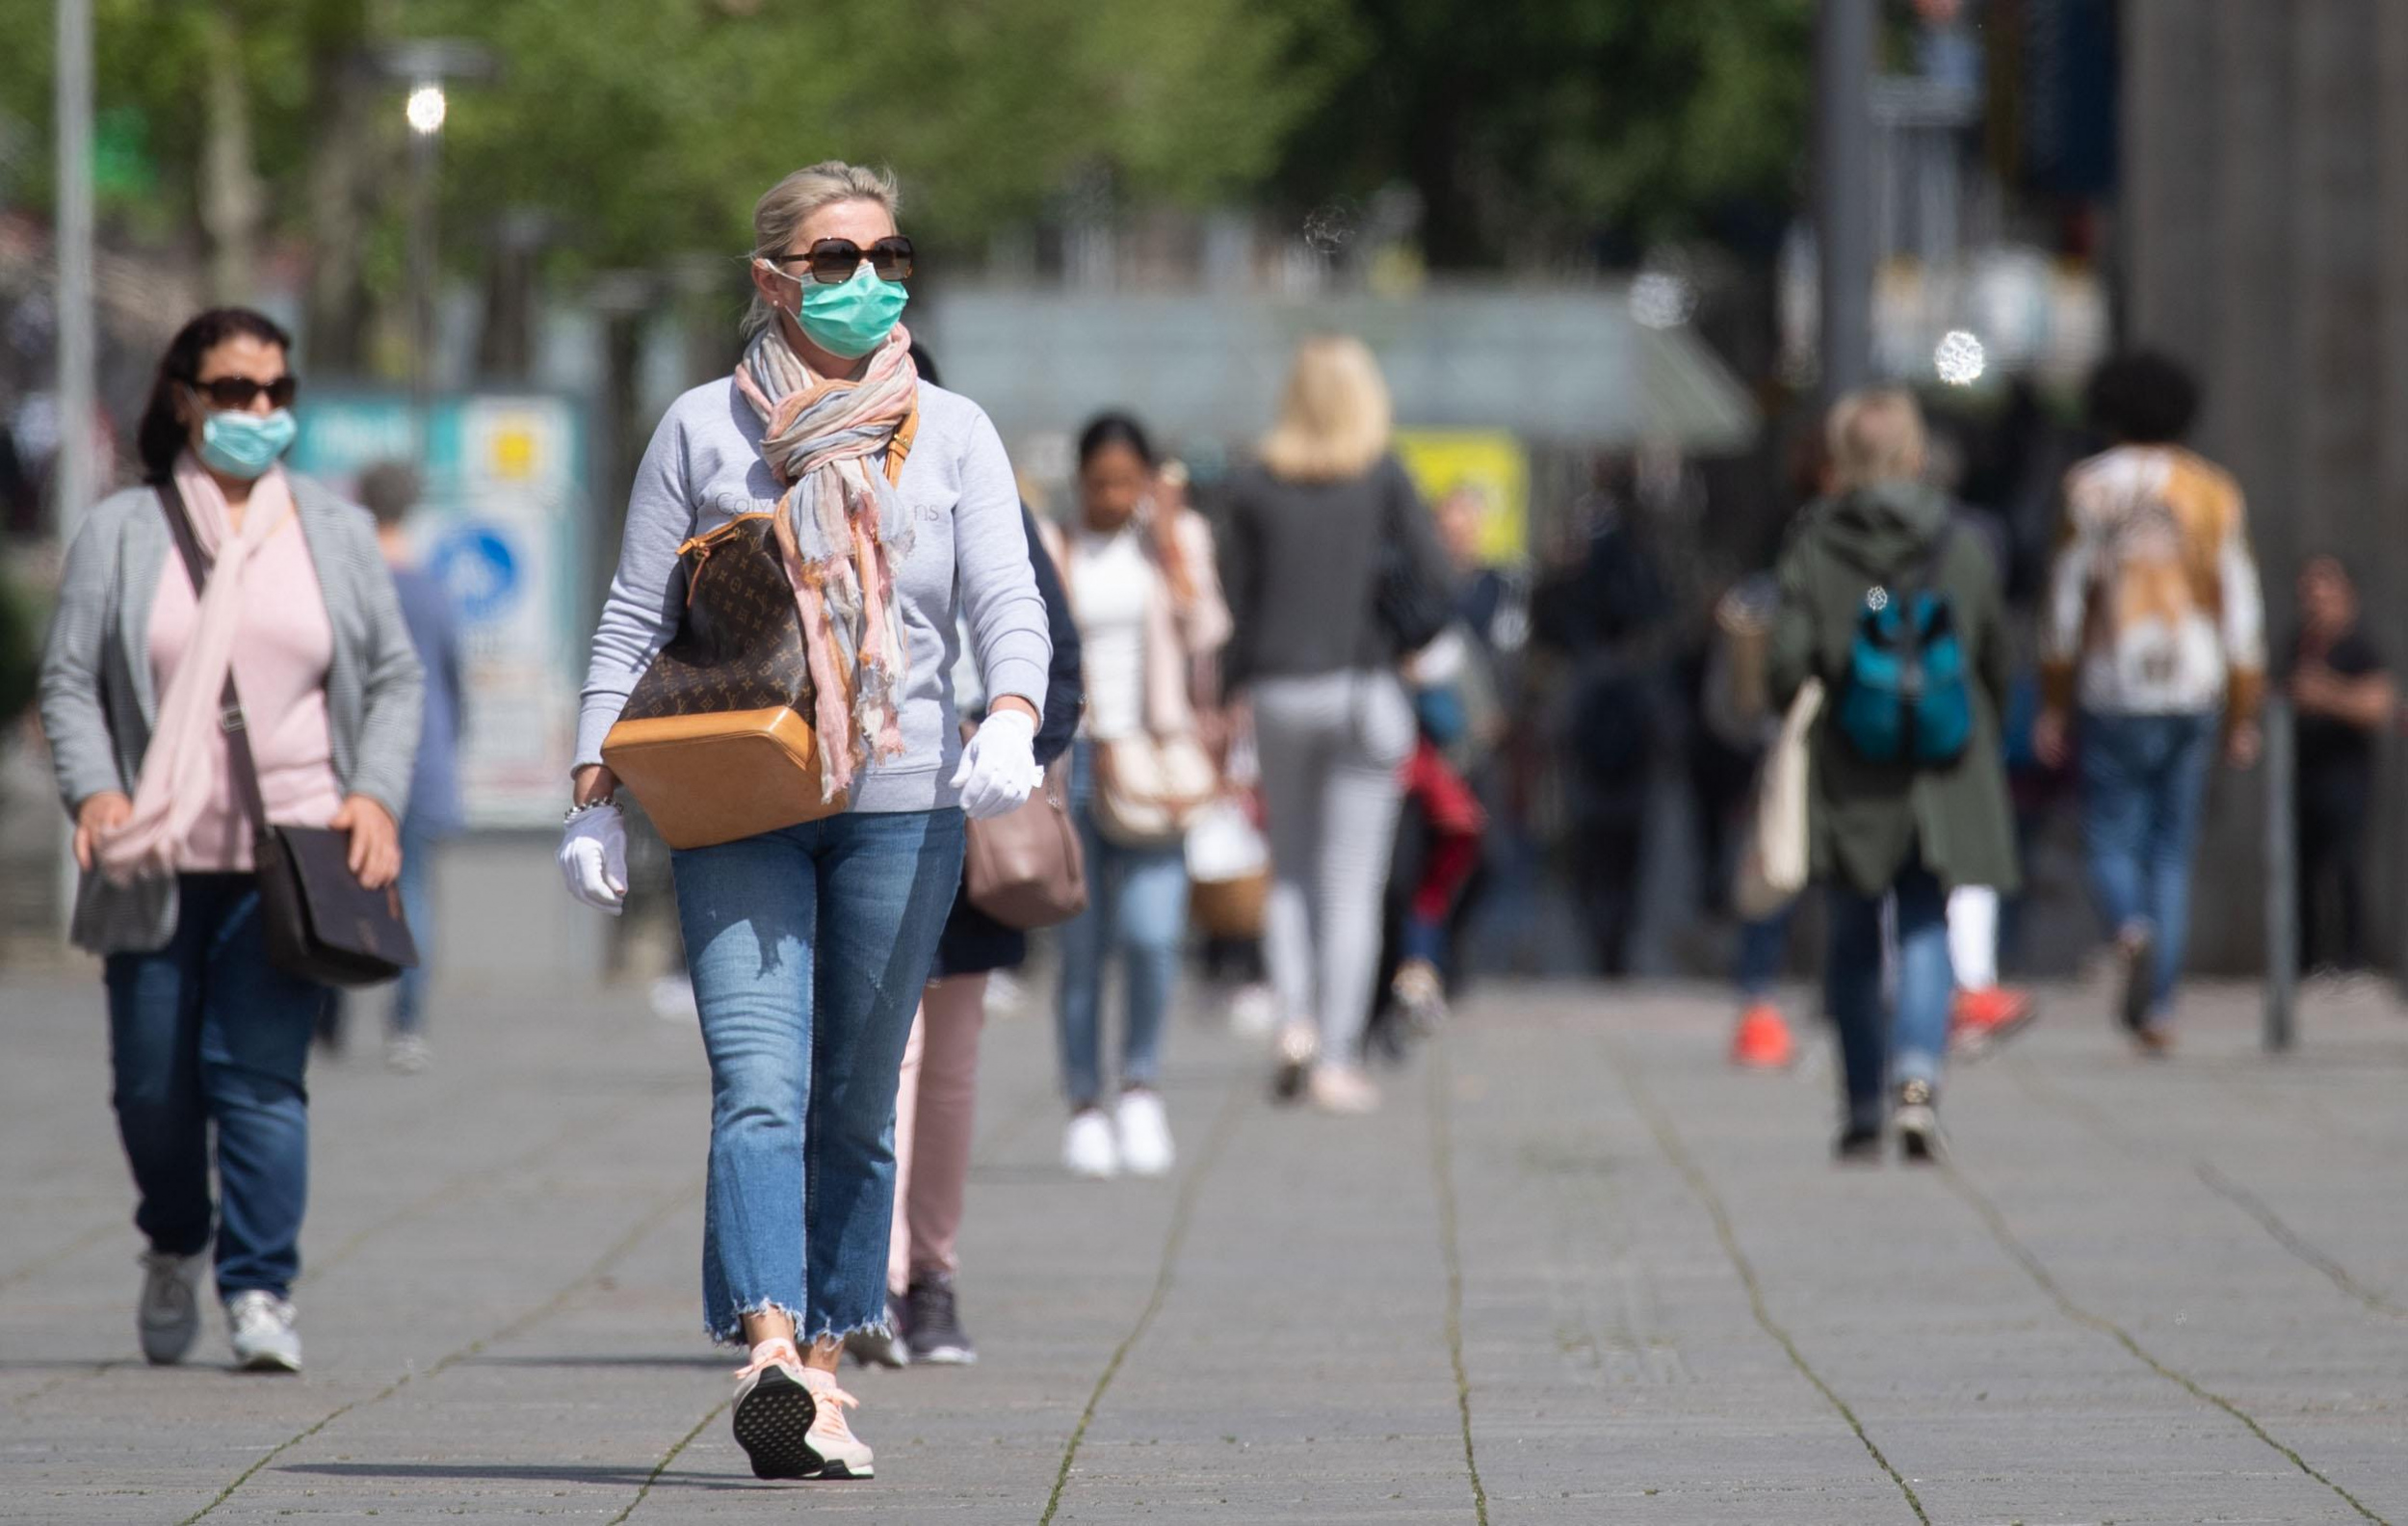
[[1763, 1040]]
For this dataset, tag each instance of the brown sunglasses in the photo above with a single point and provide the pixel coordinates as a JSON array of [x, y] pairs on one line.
[[833, 260]]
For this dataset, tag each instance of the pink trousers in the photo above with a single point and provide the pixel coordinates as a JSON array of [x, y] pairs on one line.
[[932, 1119]]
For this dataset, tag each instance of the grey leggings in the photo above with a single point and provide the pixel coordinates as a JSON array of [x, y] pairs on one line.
[[1332, 747]]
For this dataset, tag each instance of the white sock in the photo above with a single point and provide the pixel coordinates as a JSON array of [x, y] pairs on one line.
[[1974, 937]]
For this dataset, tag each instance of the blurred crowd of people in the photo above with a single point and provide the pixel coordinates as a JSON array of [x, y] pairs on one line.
[[1290, 717]]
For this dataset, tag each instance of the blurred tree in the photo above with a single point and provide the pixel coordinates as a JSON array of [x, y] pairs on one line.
[[1547, 132]]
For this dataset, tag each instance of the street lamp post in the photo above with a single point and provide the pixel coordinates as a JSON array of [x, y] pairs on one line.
[[71, 469], [426, 65], [1843, 211], [425, 110]]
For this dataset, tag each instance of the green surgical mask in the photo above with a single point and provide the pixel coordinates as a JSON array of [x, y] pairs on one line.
[[853, 317]]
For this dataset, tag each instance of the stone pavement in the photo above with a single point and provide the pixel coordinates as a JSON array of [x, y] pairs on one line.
[[1576, 1271]]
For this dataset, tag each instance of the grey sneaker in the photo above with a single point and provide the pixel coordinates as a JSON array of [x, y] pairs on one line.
[[937, 1338], [871, 1349], [264, 1337], [1917, 1119], [169, 1316]]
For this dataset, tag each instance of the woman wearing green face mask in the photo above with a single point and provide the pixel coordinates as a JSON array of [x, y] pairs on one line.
[[297, 611], [808, 944]]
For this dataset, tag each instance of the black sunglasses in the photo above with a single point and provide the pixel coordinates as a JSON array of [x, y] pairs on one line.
[[833, 260], [237, 392]]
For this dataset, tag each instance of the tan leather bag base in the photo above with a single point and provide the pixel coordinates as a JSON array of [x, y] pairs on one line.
[[710, 778]]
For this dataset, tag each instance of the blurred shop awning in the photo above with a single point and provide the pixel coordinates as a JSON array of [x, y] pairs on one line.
[[1564, 366]]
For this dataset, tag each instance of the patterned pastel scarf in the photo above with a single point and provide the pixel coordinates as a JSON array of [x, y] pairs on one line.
[[179, 766], [842, 528]]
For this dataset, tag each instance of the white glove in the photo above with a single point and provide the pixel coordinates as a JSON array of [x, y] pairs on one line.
[[999, 769], [593, 858]]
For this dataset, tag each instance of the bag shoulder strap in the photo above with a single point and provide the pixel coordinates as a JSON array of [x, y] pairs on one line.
[[230, 703]]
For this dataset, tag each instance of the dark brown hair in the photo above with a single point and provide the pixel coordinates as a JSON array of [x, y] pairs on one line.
[[163, 435]]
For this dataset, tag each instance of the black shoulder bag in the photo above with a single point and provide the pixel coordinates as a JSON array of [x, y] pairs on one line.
[[1409, 610], [320, 921]]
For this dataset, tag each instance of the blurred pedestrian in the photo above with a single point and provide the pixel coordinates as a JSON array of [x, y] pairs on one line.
[[1908, 795], [808, 945], [2343, 697], [1604, 613], [391, 491], [935, 1097], [298, 614], [1317, 526], [1146, 594], [2154, 628]]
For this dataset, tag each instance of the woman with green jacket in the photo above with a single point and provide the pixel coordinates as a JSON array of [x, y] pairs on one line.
[[1904, 827]]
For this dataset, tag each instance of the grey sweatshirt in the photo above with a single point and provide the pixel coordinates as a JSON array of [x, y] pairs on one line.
[[969, 557]]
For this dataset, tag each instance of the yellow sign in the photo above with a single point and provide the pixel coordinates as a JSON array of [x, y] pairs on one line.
[[514, 452], [1489, 469]]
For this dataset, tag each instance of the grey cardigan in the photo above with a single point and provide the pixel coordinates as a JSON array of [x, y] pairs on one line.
[[97, 699]]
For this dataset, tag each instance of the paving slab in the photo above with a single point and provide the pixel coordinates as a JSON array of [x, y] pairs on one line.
[[1576, 1270]]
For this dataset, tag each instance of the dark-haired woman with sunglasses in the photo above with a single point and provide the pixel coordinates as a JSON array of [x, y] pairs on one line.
[[295, 615]]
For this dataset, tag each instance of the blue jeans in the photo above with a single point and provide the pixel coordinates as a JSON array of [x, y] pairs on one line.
[[1915, 1036], [203, 1032], [1764, 947], [1137, 908], [2144, 779], [417, 887], [808, 948]]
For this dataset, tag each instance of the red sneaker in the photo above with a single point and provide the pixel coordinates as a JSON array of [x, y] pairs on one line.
[[1983, 1018], [1763, 1040]]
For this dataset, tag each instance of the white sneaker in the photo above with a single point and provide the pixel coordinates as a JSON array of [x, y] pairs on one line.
[[773, 1408], [1299, 1046], [169, 1316], [836, 1451], [1145, 1147], [408, 1054], [1342, 1088], [1253, 1010], [264, 1337], [1087, 1149]]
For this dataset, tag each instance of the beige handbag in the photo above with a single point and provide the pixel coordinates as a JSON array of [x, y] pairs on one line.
[[1148, 788], [1025, 868], [1779, 851]]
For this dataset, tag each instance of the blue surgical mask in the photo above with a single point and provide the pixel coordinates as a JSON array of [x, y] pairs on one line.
[[853, 317], [242, 445]]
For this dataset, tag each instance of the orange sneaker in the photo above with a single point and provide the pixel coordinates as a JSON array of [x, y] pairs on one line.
[[1983, 1018], [1763, 1040]]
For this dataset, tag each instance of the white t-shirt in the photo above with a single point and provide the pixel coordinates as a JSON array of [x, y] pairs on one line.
[[1112, 580]]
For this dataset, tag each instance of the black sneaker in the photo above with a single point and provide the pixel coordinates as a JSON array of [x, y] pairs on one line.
[[1917, 1119], [2139, 948], [1859, 1145], [937, 1338]]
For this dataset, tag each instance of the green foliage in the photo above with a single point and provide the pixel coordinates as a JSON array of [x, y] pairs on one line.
[[1535, 129], [649, 126]]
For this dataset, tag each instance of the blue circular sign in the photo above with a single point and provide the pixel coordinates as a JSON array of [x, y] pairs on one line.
[[477, 568]]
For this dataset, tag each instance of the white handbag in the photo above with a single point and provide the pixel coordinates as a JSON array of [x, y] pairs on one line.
[[1777, 858]]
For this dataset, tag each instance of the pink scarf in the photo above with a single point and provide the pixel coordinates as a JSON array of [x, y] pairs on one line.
[[177, 776], [842, 528]]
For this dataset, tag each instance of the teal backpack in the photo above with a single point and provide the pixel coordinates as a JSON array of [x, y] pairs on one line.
[[1905, 696]]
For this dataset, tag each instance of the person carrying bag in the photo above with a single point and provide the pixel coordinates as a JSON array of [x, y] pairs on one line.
[[237, 860]]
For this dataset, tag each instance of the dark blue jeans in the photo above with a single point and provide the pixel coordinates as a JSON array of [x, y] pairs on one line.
[[207, 1032], [1876, 1047], [808, 948], [2144, 780]]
